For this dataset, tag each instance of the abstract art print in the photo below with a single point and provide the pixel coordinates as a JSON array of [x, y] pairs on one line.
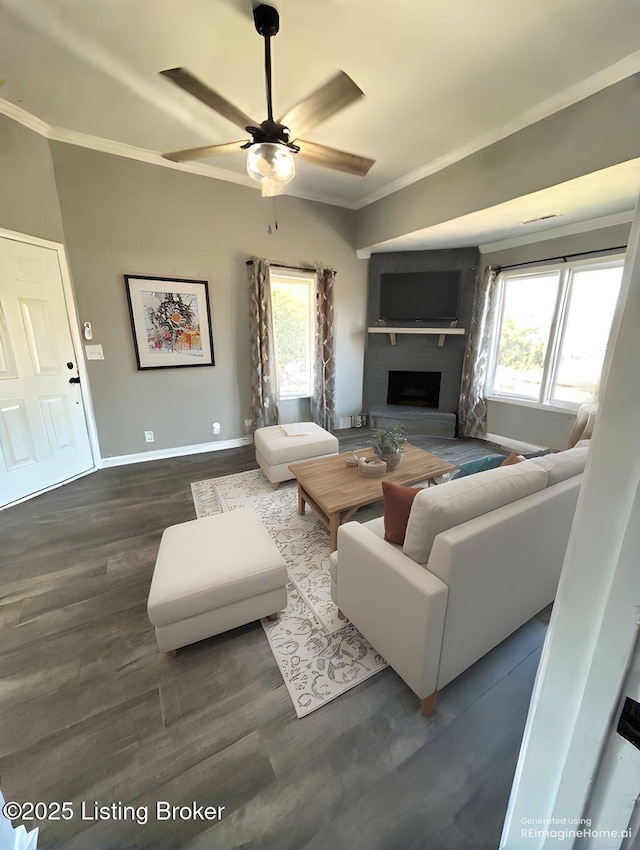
[[170, 321]]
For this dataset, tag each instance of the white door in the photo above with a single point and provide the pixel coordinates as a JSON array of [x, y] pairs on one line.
[[43, 431]]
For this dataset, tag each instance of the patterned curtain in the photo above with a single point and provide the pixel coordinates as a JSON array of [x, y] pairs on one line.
[[472, 413], [264, 400], [324, 381]]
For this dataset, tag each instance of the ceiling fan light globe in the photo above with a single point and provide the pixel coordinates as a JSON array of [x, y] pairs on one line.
[[271, 165]]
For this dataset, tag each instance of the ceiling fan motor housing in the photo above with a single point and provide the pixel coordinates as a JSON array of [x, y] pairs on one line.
[[271, 131]]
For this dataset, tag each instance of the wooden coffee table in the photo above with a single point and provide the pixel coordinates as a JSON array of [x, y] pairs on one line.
[[335, 491]]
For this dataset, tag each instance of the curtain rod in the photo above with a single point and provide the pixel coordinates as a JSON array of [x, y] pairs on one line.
[[284, 266], [565, 257]]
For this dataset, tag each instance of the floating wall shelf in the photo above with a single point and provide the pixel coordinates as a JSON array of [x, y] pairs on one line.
[[441, 333]]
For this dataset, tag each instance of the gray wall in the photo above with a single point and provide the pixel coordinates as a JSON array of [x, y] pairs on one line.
[[519, 421], [28, 196], [599, 131], [125, 217]]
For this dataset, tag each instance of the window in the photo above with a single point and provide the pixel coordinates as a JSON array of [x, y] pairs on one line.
[[293, 304], [552, 330]]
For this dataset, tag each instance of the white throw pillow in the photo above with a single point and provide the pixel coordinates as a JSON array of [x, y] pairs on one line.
[[563, 465], [436, 509]]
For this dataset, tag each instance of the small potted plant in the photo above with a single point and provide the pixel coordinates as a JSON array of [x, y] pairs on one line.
[[388, 444]]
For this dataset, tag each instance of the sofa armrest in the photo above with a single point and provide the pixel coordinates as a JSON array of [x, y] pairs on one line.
[[395, 603]]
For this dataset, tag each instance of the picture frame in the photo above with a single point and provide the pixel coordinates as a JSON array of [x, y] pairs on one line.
[[170, 321]]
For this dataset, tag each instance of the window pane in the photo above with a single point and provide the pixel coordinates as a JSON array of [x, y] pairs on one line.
[[592, 301], [529, 304], [293, 333]]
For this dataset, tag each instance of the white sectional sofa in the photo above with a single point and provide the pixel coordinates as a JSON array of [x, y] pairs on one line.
[[481, 556]]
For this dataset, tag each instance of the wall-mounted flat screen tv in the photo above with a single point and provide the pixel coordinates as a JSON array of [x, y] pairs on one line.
[[419, 296]]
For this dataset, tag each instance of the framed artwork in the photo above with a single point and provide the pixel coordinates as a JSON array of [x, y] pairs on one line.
[[170, 320]]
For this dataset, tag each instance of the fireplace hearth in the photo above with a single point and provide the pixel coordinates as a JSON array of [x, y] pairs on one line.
[[414, 389]]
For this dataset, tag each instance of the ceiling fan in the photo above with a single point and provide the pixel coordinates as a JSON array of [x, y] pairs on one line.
[[272, 146]]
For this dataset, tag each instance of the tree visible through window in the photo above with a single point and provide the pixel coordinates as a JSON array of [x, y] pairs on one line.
[[552, 333], [528, 305], [293, 310]]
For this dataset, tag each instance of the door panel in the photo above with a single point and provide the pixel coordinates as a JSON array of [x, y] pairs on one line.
[[40, 337], [7, 360], [55, 412], [43, 432], [15, 434]]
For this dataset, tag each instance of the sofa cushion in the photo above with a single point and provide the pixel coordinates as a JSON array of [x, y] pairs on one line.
[[436, 509], [397, 499], [563, 465]]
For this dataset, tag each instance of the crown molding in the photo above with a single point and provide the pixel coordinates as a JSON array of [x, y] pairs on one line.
[[114, 148], [110, 146], [21, 116]]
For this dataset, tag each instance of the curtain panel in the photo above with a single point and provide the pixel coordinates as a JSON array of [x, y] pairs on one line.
[[264, 396], [472, 411], [324, 381]]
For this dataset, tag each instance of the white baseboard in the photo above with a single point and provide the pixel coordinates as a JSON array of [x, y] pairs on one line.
[[514, 445], [177, 451]]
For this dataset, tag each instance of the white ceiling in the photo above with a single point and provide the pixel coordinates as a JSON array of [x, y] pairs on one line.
[[442, 78]]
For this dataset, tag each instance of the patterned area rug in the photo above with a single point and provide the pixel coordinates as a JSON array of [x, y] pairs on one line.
[[320, 656]]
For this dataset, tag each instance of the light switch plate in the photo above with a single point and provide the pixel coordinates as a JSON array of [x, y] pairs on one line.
[[94, 352]]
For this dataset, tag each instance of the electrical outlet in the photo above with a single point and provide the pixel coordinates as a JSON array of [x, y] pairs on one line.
[[247, 424], [148, 435], [216, 427]]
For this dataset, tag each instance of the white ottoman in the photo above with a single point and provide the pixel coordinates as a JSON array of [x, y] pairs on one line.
[[212, 575], [275, 449]]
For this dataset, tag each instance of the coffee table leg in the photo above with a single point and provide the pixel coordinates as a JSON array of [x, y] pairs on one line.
[[300, 501], [334, 525]]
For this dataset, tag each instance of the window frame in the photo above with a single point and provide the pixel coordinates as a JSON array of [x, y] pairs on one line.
[[557, 329], [310, 280]]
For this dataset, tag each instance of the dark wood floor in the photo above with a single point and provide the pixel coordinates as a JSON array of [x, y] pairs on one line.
[[89, 710]]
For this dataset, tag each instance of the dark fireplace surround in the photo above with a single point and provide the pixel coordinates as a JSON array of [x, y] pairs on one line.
[[416, 353]]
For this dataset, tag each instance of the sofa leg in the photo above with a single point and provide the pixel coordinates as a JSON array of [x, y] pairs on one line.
[[272, 616], [172, 653], [341, 615], [275, 485], [428, 703]]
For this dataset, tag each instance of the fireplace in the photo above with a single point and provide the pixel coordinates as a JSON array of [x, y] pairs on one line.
[[414, 389]]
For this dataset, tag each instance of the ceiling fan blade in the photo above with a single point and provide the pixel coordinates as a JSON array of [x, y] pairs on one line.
[[187, 82], [330, 98], [332, 158], [201, 153]]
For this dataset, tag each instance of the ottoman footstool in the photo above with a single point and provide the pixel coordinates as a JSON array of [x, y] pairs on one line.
[[275, 449], [212, 575]]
